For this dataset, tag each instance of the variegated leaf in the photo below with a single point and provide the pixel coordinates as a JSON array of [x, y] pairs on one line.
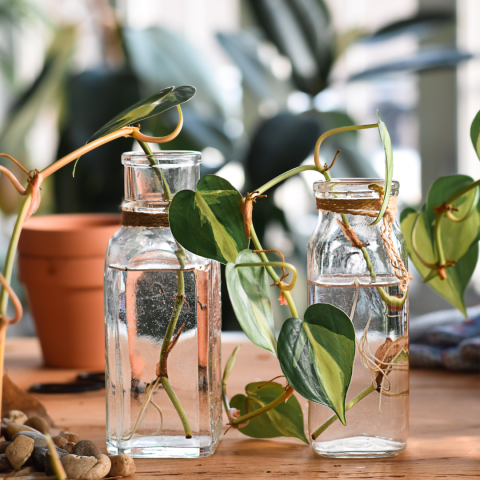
[[209, 222]]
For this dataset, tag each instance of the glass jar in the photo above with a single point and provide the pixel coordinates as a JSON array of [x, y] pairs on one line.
[[155, 289], [338, 272]]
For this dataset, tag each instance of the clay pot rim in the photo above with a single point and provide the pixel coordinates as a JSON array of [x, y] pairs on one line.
[[71, 222]]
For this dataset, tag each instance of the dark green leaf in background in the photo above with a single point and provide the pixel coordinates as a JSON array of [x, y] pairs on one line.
[[249, 292], [148, 107], [209, 222], [317, 355], [285, 420]]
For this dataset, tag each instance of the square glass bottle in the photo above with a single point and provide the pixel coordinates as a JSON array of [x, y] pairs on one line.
[[162, 322]]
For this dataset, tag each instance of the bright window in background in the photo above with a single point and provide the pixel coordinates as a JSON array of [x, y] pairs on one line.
[[395, 96]]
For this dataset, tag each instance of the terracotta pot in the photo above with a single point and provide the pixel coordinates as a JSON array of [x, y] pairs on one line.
[[61, 261]]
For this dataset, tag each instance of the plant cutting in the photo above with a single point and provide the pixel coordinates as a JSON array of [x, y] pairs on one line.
[[316, 353], [119, 127]]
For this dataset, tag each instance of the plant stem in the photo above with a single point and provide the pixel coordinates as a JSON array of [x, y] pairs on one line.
[[179, 299], [178, 407], [271, 272], [122, 132], [348, 406], [7, 273], [167, 194], [284, 288], [288, 391], [286, 175], [438, 240], [462, 192], [333, 132]]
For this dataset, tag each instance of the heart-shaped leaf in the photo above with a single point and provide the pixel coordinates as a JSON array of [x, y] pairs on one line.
[[209, 222], [458, 276], [475, 133], [249, 293], [285, 420], [148, 107], [317, 355], [387, 146]]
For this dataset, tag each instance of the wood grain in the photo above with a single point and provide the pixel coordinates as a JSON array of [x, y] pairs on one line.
[[444, 437]]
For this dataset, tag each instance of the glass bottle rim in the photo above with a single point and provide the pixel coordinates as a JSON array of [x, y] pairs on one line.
[[163, 157], [352, 186]]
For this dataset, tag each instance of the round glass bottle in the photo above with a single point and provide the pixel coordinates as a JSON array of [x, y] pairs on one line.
[[352, 266], [162, 321]]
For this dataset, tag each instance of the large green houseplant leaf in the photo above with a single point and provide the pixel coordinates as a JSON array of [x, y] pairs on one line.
[[208, 222], [285, 420], [249, 292], [317, 354]]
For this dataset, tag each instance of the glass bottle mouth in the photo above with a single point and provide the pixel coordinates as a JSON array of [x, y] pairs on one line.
[[351, 187], [164, 158]]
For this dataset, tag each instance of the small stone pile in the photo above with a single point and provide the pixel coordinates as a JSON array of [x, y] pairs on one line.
[[25, 453]]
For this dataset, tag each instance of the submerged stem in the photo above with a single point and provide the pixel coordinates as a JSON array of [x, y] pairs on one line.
[[178, 407]]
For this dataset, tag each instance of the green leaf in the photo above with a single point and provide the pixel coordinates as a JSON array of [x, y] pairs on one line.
[[458, 276], [387, 146], [148, 107], [209, 222], [317, 355], [457, 237], [285, 420], [249, 293], [475, 134]]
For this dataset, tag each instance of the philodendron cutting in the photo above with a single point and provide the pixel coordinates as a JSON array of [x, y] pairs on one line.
[[316, 350]]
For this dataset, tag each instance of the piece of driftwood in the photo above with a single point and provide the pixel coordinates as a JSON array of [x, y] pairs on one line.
[[14, 398]]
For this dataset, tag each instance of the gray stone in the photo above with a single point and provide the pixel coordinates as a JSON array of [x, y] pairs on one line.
[[86, 448], [38, 456], [38, 438]]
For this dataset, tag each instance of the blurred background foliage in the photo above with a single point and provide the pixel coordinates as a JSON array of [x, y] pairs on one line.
[[261, 118]]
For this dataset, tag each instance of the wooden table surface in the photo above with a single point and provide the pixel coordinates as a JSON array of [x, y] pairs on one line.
[[444, 437]]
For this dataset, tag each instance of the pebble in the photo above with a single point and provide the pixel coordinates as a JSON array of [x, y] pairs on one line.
[[122, 466], [4, 445], [4, 430], [86, 448], [39, 424], [16, 416], [5, 465], [48, 460], [59, 441], [14, 428], [100, 469], [70, 436], [39, 438], [75, 467], [38, 456], [19, 451], [24, 472], [69, 447]]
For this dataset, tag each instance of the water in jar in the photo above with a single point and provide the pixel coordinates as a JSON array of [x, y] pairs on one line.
[[378, 425]]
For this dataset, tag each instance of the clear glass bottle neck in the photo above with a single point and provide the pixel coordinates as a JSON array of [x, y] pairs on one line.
[[151, 181]]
